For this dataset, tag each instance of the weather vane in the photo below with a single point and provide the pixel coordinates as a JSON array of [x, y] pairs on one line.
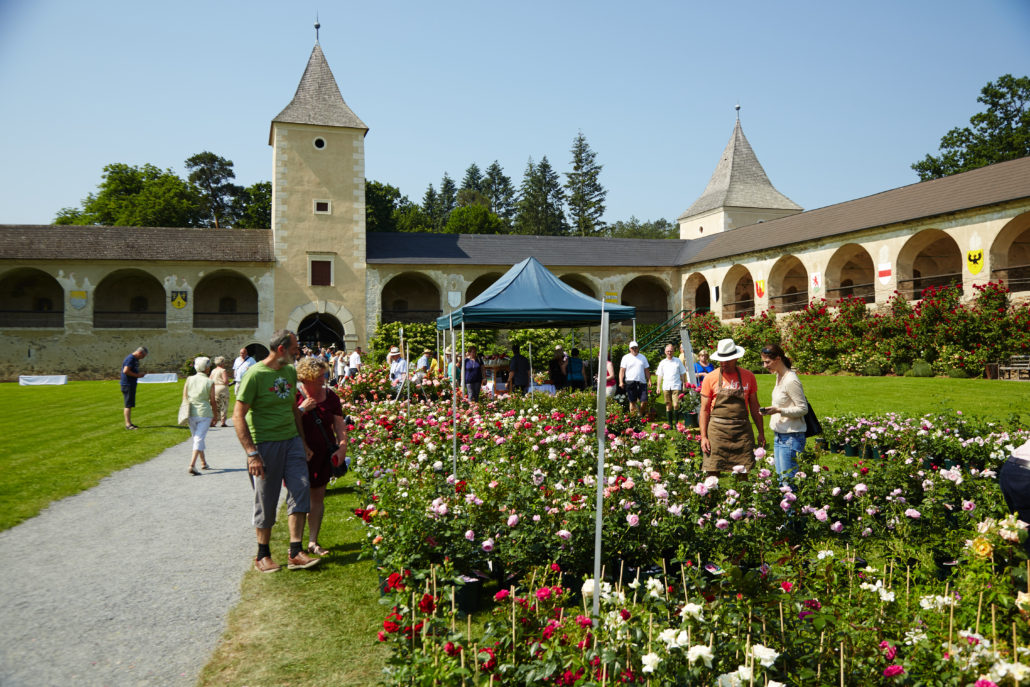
[[737, 108], [318, 26]]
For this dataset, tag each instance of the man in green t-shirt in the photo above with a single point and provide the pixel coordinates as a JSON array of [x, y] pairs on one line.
[[268, 426]]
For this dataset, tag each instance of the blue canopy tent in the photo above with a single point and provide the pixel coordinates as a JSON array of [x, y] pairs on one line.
[[530, 296]]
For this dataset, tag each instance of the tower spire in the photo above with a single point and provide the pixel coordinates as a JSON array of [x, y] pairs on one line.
[[318, 26]]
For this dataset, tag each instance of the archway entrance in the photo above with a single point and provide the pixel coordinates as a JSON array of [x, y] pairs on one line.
[[738, 293], [788, 284], [411, 297], [697, 294], [318, 330], [1010, 254], [650, 297], [931, 258], [849, 273]]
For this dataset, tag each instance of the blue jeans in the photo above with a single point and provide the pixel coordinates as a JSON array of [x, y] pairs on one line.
[[785, 447]]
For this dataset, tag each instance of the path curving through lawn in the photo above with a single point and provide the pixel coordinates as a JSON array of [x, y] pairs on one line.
[[130, 582]]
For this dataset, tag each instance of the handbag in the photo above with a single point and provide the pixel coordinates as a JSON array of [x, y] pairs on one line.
[[812, 426], [338, 470], [184, 412]]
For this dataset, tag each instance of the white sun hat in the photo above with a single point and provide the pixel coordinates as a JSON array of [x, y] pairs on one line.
[[727, 350]]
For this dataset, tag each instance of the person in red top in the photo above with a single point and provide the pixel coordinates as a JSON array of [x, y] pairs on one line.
[[727, 397], [322, 421]]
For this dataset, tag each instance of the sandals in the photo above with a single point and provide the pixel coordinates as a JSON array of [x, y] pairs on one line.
[[317, 550], [193, 471], [205, 466]]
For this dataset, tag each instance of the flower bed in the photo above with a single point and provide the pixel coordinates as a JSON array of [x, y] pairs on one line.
[[523, 500]]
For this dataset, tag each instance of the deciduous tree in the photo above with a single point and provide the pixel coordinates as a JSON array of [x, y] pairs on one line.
[[1001, 132], [213, 176]]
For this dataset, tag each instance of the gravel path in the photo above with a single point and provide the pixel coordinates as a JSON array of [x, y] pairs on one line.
[[128, 583]]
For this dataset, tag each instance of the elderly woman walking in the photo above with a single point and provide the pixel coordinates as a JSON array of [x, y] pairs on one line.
[[728, 396], [199, 391], [220, 378]]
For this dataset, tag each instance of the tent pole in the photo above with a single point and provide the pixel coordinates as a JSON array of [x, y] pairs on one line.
[[688, 355], [531, 380], [463, 356], [634, 329], [454, 410], [602, 437]]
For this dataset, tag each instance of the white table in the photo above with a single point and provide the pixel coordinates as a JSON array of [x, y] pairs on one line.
[[543, 389]]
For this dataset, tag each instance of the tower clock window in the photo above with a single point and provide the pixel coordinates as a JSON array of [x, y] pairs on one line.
[[319, 143], [323, 207]]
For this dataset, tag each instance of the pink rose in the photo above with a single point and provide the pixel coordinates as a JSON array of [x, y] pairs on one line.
[[633, 519], [513, 520], [488, 545], [892, 670]]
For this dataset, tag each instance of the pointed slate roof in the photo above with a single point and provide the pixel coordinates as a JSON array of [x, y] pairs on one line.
[[318, 100], [739, 181]]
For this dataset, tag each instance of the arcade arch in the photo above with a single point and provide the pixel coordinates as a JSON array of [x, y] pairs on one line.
[[129, 299], [481, 284], [1010, 254], [738, 288], [697, 294], [850, 273], [225, 300], [30, 298], [580, 283], [788, 284], [650, 296], [929, 258], [410, 297]]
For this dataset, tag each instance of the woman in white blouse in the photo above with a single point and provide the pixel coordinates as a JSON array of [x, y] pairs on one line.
[[787, 412]]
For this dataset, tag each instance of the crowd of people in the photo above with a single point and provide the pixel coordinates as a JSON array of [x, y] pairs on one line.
[[292, 428]]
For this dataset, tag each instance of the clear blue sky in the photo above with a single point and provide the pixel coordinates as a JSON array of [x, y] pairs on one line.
[[838, 99]]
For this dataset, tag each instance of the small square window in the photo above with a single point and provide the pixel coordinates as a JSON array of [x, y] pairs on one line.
[[323, 207], [321, 272]]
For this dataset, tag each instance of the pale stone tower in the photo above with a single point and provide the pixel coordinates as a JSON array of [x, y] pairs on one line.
[[738, 194], [318, 211]]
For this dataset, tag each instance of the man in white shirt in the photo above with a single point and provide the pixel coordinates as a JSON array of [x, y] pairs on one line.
[[355, 362], [422, 364], [398, 367], [672, 377], [633, 377], [241, 365]]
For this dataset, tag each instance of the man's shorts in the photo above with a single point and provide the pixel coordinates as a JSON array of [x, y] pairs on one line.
[[129, 394], [285, 461], [636, 392], [672, 397]]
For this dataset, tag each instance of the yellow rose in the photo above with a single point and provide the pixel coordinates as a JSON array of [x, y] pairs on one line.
[[1023, 601], [982, 547]]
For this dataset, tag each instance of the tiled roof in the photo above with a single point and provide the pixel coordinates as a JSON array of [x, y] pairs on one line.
[[739, 181], [318, 100], [47, 242], [998, 183], [499, 249]]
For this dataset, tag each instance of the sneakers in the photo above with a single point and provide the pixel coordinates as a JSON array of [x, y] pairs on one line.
[[266, 565], [302, 561]]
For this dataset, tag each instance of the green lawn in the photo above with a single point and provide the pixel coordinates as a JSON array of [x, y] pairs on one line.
[[910, 396], [60, 440]]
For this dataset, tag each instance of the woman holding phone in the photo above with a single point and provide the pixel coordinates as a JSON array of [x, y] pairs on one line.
[[787, 411]]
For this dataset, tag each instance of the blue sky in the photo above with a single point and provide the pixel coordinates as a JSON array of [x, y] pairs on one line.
[[837, 99]]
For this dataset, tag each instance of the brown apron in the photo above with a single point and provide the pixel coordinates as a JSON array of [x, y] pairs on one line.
[[729, 430]]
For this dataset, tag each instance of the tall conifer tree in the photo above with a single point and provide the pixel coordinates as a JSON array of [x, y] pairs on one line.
[[501, 194], [584, 192], [540, 208]]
